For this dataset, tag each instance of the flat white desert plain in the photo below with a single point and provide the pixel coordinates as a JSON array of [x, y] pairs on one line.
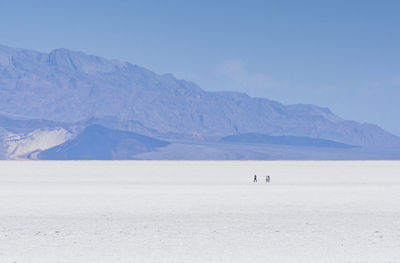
[[207, 211]]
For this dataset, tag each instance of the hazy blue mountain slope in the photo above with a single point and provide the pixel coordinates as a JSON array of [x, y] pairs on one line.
[[26, 125], [68, 86], [254, 138], [114, 123], [100, 143], [184, 150]]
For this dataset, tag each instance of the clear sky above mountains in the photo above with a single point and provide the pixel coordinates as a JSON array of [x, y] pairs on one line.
[[341, 54]]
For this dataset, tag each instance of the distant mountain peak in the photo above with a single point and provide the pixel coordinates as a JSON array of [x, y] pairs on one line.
[[79, 61], [61, 57]]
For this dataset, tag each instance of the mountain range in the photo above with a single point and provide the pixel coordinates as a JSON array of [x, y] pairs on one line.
[[68, 91]]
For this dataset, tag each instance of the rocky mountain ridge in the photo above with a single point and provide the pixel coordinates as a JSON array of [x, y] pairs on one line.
[[66, 89]]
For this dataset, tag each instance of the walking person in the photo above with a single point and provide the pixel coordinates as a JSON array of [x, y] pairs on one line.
[[267, 179], [255, 179]]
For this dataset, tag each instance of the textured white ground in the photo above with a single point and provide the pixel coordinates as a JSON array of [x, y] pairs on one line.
[[199, 212]]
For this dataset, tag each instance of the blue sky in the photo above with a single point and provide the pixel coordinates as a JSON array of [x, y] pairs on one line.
[[344, 55]]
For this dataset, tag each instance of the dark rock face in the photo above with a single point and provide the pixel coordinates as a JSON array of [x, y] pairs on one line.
[[253, 138], [68, 86]]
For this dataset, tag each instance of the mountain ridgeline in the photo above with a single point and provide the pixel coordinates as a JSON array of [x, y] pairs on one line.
[[68, 87]]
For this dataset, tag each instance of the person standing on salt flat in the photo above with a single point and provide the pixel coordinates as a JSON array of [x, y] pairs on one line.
[[255, 179], [267, 179]]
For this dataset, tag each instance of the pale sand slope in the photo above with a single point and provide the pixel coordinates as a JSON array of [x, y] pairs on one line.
[[199, 212]]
